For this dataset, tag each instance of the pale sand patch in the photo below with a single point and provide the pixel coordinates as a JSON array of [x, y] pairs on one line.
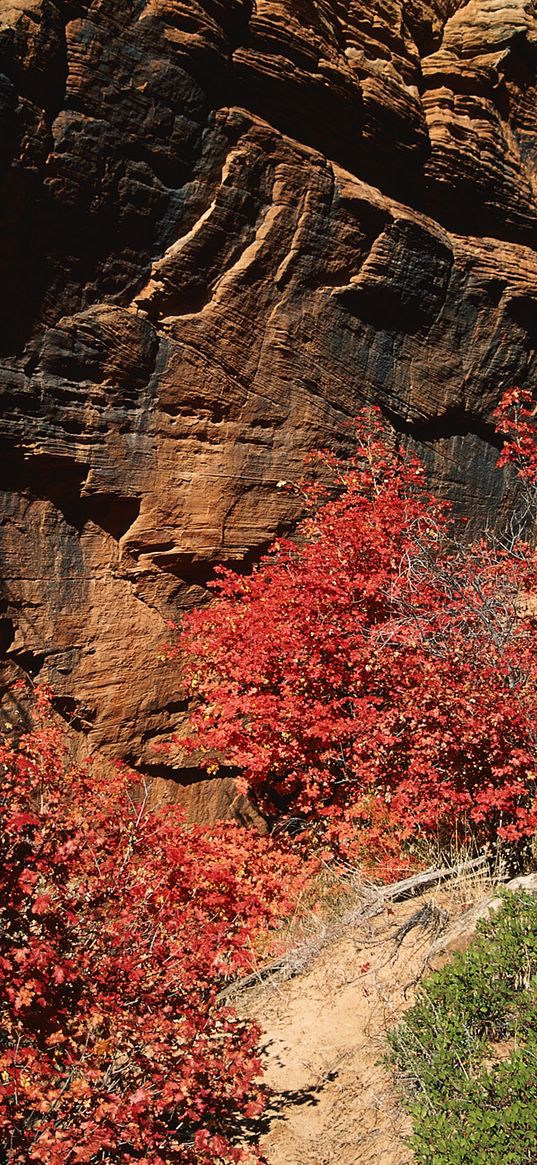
[[325, 1029]]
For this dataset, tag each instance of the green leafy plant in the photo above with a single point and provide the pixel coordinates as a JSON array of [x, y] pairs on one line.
[[467, 1049]]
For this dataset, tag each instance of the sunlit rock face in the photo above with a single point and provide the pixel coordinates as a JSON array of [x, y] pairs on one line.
[[225, 226]]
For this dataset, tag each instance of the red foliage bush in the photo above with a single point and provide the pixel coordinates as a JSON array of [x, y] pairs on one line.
[[118, 927], [373, 679]]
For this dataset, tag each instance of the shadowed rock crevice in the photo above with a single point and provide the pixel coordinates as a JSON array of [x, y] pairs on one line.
[[33, 51], [454, 422], [58, 479], [159, 770], [76, 714]]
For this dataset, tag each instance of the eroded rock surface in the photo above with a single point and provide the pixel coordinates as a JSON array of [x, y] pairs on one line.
[[225, 226]]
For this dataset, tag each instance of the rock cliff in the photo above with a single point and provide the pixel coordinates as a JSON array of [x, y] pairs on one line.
[[225, 226]]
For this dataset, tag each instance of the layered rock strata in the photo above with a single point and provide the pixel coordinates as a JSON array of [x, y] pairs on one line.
[[226, 226]]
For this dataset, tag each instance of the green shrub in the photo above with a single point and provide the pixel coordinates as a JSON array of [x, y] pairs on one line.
[[467, 1049]]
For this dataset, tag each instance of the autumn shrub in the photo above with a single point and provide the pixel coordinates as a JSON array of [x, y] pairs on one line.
[[373, 680], [466, 1051], [119, 926]]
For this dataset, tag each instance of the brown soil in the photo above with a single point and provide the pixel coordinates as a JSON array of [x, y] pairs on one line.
[[333, 1102]]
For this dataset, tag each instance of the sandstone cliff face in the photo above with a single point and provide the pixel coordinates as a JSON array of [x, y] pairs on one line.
[[226, 225]]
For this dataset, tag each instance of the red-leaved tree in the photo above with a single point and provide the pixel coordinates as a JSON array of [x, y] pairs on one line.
[[373, 680], [118, 927]]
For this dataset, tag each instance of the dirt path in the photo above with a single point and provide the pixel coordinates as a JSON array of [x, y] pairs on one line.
[[333, 1103]]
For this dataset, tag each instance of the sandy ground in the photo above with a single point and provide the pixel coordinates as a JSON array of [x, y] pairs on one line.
[[333, 1102]]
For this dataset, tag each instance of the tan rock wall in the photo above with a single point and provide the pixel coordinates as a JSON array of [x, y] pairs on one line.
[[225, 227]]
